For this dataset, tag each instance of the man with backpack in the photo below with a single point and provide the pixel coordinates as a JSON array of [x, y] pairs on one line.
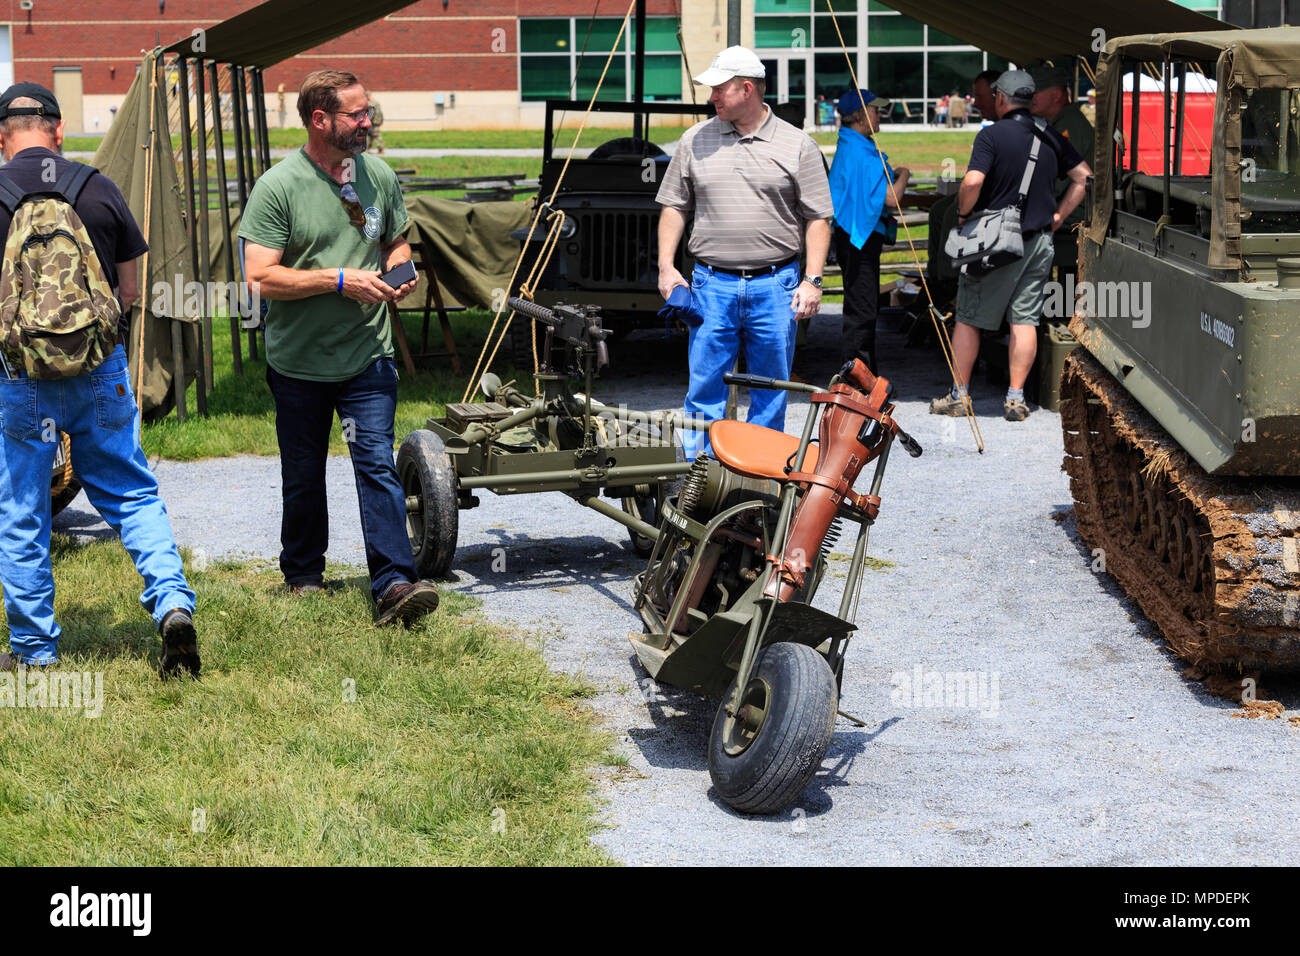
[[66, 280]]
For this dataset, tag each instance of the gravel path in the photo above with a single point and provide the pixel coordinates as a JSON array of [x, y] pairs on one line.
[[1088, 746]]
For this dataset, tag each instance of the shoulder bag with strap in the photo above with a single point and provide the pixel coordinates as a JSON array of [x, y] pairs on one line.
[[58, 313], [992, 238]]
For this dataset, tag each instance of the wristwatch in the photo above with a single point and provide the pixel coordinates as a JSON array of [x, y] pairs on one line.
[[815, 280]]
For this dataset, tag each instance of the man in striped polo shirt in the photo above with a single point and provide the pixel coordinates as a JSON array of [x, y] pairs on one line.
[[757, 189]]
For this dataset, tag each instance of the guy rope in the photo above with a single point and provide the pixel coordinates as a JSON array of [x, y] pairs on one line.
[[555, 218], [939, 320]]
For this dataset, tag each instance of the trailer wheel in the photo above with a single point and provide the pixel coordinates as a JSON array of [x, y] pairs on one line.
[[645, 507], [429, 484], [63, 483], [762, 760]]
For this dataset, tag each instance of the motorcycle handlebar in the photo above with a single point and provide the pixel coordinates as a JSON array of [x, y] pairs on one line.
[[762, 381]]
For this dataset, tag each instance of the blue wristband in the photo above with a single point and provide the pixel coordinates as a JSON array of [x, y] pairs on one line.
[[340, 279]]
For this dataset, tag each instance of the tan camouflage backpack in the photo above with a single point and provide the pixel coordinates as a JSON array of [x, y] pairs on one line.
[[58, 313]]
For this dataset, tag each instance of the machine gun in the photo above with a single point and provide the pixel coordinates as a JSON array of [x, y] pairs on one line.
[[577, 326]]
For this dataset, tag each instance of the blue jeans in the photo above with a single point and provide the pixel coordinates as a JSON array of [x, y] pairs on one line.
[[98, 412], [304, 415], [749, 314]]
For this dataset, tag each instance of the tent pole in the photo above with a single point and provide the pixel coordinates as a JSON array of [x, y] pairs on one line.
[[191, 229], [236, 107], [218, 141], [255, 167], [205, 200], [244, 163], [264, 137]]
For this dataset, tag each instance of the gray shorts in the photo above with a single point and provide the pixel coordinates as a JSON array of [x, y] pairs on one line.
[[1015, 291]]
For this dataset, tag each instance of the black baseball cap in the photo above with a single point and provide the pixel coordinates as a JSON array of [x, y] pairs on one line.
[[49, 105]]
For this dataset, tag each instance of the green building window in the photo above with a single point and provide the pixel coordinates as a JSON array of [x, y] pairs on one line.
[[552, 54]]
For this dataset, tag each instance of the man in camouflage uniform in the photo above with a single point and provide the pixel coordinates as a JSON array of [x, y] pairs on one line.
[[96, 409], [1054, 103]]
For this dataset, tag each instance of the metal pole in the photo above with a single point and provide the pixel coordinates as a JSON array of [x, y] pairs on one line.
[[191, 231], [223, 201], [733, 22], [264, 137], [1179, 119], [1137, 108], [205, 241], [1165, 77], [236, 108], [244, 164], [638, 66], [251, 139]]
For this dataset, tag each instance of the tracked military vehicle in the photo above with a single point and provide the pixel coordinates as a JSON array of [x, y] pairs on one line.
[[1182, 409]]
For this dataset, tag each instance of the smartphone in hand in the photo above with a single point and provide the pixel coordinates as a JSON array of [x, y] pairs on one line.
[[400, 274]]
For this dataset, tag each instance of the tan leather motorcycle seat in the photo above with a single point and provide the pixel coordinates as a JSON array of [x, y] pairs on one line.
[[755, 451]]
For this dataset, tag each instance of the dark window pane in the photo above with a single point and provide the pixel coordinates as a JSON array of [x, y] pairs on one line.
[[894, 31], [542, 77], [615, 85], [896, 76], [953, 71], [780, 6], [831, 75], [825, 31], [603, 32], [782, 32], [543, 35], [939, 38]]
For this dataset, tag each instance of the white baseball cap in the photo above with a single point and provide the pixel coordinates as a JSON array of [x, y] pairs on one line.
[[731, 62]]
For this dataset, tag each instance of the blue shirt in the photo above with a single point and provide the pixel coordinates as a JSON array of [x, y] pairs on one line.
[[859, 176]]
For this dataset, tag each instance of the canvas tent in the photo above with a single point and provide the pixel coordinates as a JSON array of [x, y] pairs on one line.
[[136, 154], [1024, 31]]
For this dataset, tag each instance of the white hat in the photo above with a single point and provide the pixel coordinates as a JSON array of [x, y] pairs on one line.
[[731, 62]]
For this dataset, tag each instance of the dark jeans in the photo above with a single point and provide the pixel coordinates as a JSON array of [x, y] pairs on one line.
[[304, 415], [861, 271]]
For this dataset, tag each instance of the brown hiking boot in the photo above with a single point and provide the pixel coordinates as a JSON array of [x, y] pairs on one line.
[[1015, 410], [947, 405], [406, 602]]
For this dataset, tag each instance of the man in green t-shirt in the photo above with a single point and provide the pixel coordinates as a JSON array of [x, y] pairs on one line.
[[319, 229]]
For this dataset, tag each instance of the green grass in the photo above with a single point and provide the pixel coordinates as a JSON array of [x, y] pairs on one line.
[[922, 152], [241, 413], [459, 747], [442, 139]]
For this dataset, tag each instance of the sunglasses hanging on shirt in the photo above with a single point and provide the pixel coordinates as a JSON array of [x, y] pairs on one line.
[[352, 203]]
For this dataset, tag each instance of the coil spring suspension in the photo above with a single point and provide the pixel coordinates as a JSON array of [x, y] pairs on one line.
[[832, 537]]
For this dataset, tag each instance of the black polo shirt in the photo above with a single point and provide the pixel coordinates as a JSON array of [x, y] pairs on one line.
[[1001, 152], [109, 222]]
